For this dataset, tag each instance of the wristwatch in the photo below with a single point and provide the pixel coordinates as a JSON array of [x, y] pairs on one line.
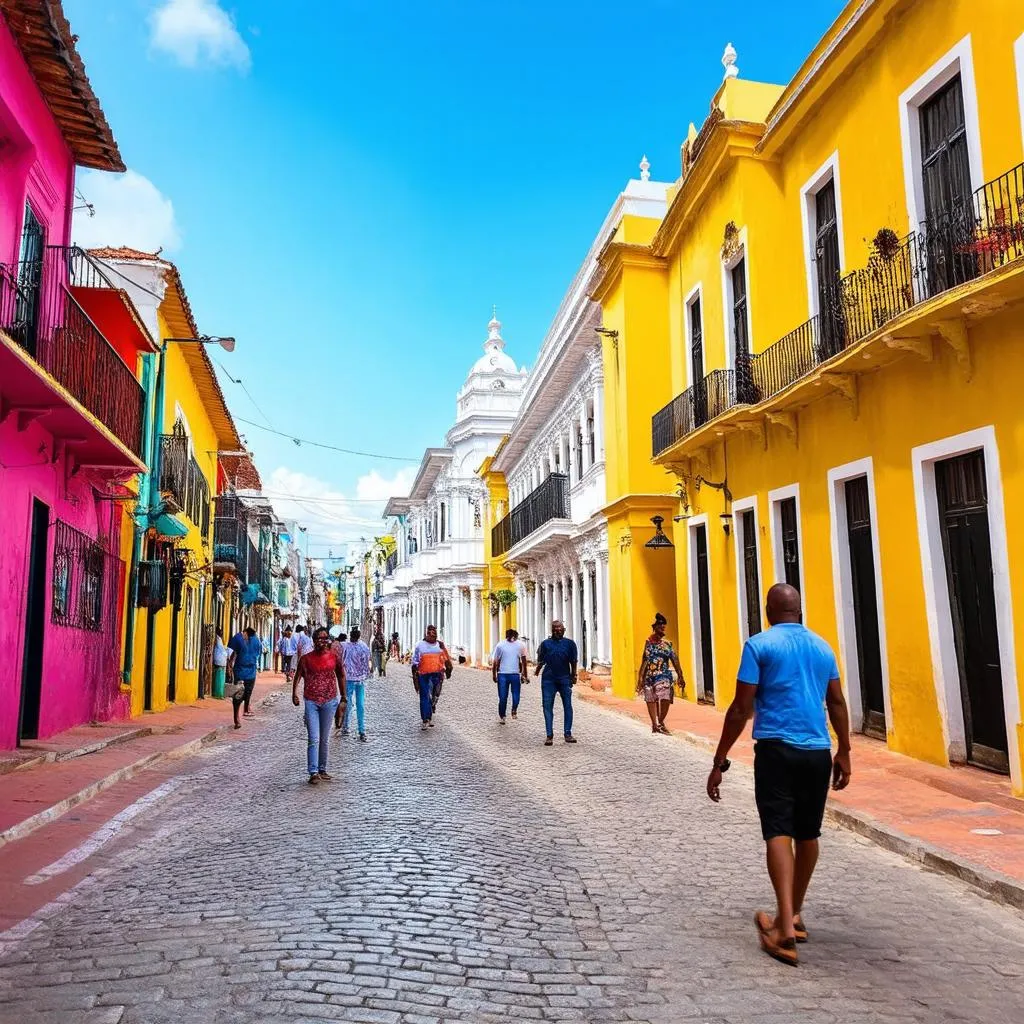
[[724, 765]]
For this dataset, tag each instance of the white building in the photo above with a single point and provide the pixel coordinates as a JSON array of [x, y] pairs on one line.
[[555, 537], [436, 575]]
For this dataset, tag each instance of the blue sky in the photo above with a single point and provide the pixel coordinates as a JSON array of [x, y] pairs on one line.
[[347, 186]]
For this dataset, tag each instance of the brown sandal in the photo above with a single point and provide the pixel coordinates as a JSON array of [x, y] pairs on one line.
[[800, 928], [783, 950]]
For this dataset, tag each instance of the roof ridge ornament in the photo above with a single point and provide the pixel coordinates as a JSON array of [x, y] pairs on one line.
[[729, 62], [645, 168]]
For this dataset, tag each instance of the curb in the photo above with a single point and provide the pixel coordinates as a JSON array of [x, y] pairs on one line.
[[994, 884], [54, 811]]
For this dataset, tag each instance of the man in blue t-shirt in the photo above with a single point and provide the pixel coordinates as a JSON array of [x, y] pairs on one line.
[[557, 657], [788, 677], [243, 662]]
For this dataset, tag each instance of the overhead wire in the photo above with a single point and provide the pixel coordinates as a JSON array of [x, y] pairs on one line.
[[321, 444]]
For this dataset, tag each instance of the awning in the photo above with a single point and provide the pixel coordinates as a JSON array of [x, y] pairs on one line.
[[170, 526]]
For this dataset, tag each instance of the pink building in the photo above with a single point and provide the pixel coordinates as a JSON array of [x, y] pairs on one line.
[[71, 404]]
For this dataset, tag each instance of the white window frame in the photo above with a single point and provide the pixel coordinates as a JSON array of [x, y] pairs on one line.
[[697, 667], [958, 61], [842, 583], [940, 619], [727, 299], [695, 293], [738, 508], [192, 618], [1018, 51], [775, 498], [828, 171]]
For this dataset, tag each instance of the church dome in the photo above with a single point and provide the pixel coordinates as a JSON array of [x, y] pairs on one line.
[[494, 359]]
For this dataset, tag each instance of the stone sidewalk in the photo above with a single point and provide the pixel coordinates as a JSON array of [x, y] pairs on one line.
[[959, 820]]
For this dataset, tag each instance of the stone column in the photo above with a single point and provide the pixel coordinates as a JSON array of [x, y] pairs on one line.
[[455, 629], [601, 613], [474, 631], [587, 463], [536, 623], [577, 609], [588, 615], [599, 419]]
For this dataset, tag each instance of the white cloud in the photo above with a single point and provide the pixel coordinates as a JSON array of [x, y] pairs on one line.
[[198, 31], [129, 210], [372, 485]]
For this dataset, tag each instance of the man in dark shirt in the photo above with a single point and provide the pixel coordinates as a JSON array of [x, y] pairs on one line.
[[557, 657]]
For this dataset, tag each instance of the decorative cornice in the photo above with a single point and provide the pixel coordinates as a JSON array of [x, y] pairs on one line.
[[616, 256]]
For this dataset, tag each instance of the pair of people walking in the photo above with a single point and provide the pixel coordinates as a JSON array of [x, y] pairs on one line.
[[356, 656]]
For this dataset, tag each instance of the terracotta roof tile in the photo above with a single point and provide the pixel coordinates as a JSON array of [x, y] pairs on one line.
[[123, 252], [46, 42]]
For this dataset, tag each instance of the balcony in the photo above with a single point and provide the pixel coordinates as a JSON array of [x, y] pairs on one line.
[[231, 536], [47, 325], [548, 502], [954, 249], [182, 482]]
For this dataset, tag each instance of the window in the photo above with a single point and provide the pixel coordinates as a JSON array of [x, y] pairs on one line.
[[736, 291], [822, 218], [579, 453], [787, 545], [82, 573], [190, 629], [748, 573]]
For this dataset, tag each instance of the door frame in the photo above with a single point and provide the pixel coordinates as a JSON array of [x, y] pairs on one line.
[[738, 508], [828, 171], [842, 585], [697, 667], [945, 667], [958, 61], [696, 292], [775, 499]]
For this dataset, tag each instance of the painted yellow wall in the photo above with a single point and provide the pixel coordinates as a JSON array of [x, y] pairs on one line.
[[906, 403], [496, 576]]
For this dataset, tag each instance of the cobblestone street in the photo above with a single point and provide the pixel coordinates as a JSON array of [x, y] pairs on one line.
[[468, 873]]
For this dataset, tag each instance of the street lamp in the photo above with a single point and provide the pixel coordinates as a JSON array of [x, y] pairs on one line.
[[228, 344]]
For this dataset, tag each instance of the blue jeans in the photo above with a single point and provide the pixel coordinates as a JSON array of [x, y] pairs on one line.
[[549, 688], [356, 688], [318, 727], [507, 681], [430, 691]]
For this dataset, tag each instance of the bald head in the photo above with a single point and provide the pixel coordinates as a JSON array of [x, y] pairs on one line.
[[783, 604]]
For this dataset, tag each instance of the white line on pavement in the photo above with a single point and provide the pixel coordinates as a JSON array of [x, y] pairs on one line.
[[103, 835]]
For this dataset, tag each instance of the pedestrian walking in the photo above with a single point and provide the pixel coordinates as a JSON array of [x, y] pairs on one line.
[[303, 641], [788, 678], [243, 662], [654, 680], [557, 657], [322, 674], [395, 648], [378, 651], [431, 665], [288, 649], [508, 666], [221, 653], [357, 670]]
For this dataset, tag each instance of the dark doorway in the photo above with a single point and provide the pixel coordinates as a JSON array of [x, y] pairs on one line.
[[962, 492], [751, 577], [35, 622], [826, 258], [790, 541], [865, 605], [700, 396], [30, 282], [741, 336], [946, 180], [704, 611]]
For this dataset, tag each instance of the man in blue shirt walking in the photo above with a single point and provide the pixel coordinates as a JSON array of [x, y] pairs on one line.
[[243, 662], [788, 676], [557, 657]]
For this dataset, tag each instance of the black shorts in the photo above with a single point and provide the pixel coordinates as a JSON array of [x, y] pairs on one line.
[[790, 787]]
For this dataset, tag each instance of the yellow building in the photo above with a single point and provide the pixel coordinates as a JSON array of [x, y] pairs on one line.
[[498, 581], [169, 626], [835, 298]]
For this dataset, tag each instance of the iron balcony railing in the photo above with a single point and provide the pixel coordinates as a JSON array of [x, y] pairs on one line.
[[548, 501], [258, 572], [39, 313], [230, 533], [182, 479], [959, 245]]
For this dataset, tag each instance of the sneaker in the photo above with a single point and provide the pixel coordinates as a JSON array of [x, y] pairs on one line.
[[548, 742], [423, 727], [570, 739], [344, 730], [314, 779], [513, 713], [362, 736], [324, 776], [501, 721], [431, 723]]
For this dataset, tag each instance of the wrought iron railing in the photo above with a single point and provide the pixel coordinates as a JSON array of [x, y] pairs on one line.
[[230, 533], [85, 581], [41, 316], [182, 479], [257, 573], [151, 586], [960, 245], [548, 501]]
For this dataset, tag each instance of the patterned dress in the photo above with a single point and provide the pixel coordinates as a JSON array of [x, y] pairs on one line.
[[657, 682]]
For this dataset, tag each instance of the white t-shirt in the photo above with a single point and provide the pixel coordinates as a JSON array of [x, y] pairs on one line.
[[303, 643], [507, 655]]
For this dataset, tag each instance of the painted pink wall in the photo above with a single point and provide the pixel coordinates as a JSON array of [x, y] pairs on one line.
[[81, 681], [35, 162], [80, 668]]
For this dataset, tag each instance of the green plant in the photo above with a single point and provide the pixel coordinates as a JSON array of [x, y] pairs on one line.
[[504, 597]]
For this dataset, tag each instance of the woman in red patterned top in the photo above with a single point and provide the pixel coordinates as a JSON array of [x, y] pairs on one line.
[[322, 673]]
